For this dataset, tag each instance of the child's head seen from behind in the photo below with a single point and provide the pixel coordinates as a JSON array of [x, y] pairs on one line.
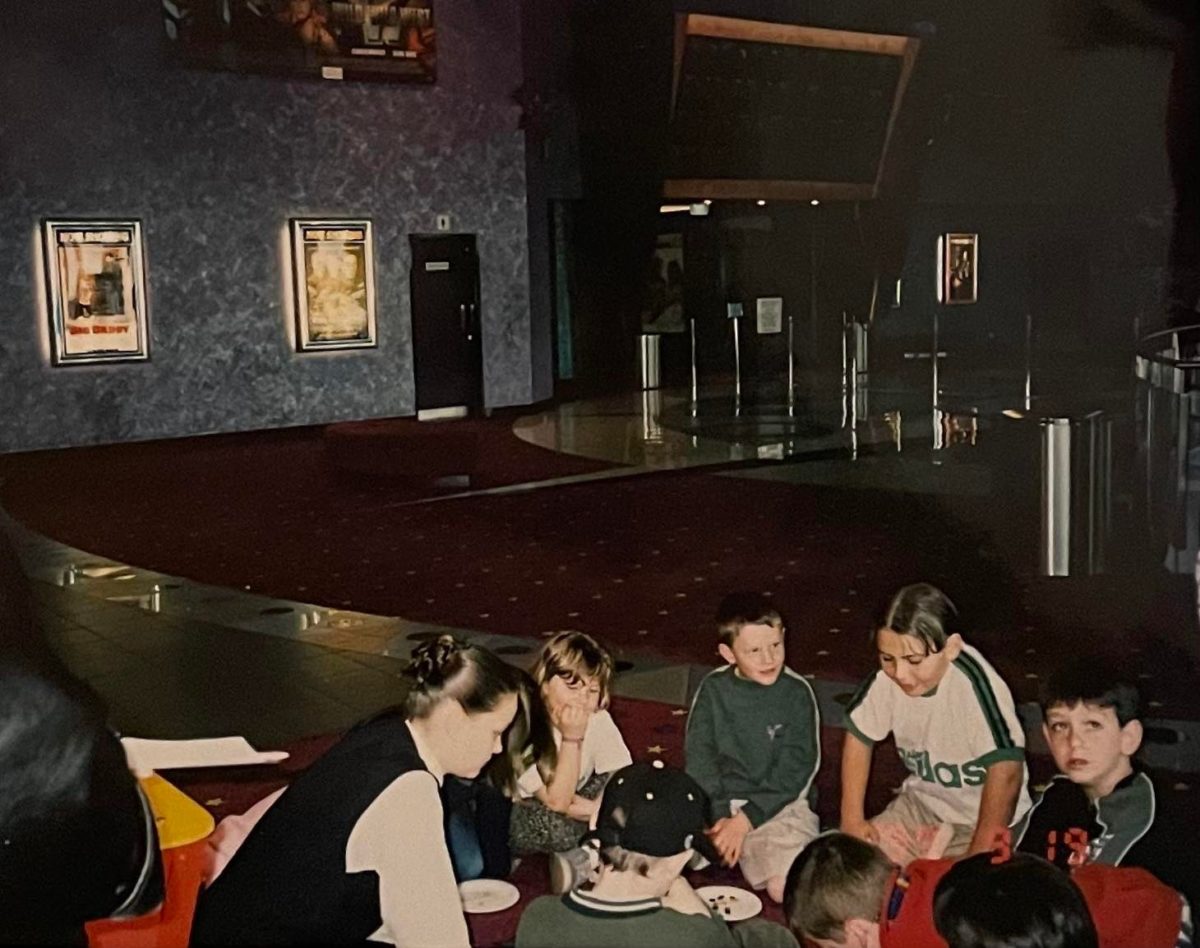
[[574, 669], [834, 891], [1090, 720], [917, 638], [751, 632]]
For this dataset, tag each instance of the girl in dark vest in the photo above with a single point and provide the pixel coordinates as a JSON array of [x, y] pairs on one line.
[[353, 851]]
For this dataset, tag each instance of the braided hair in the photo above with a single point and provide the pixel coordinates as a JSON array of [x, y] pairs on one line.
[[446, 667]]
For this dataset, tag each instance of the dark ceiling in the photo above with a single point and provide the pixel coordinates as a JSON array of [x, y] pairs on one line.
[[765, 110]]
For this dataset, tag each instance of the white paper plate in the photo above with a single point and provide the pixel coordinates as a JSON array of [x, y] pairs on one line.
[[730, 902], [480, 896]]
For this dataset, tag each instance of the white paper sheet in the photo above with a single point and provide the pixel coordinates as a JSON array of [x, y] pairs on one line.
[[146, 755]]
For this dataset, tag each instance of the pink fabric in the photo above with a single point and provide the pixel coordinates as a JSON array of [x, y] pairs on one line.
[[232, 831]]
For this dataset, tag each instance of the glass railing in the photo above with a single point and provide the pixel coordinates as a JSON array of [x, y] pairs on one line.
[[1167, 418]]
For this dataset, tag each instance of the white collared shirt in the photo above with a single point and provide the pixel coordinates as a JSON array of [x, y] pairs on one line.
[[399, 837]]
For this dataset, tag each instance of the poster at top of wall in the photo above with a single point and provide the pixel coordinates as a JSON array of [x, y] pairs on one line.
[[329, 39]]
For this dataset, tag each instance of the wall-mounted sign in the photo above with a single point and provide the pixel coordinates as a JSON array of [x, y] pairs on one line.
[[770, 314], [734, 310], [96, 290], [958, 268], [334, 268]]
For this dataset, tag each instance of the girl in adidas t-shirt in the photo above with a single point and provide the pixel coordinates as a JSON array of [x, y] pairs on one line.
[[956, 731]]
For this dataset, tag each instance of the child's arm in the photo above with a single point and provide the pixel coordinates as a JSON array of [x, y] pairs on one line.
[[868, 719], [998, 803], [856, 769], [796, 756], [560, 791], [700, 750]]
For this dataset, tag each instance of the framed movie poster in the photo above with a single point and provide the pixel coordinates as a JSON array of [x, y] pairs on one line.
[[95, 290], [334, 268], [390, 40], [958, 268], [662, 310]]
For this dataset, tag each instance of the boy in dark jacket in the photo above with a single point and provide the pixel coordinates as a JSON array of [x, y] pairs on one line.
[[1104, 808]]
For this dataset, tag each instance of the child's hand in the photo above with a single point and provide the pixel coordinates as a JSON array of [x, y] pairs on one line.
[[572, 721], [863, 830], [583, 809], [728, 834]]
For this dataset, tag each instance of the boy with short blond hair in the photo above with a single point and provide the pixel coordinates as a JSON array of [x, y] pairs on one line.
[[1103, 807], [754, 744]]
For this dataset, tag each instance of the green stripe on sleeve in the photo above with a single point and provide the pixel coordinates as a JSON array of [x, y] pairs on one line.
[[857, 733], [994, 757], [987, 700], [861, 695]]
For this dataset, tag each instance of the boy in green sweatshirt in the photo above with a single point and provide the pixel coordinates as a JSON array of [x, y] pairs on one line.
[[754, 744]]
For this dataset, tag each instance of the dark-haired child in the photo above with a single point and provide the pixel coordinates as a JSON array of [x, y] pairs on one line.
[[843, 891], [753, 744], [1103, 807], [956, 730]]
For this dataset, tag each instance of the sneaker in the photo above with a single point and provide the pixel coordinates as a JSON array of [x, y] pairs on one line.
[[570, 870]]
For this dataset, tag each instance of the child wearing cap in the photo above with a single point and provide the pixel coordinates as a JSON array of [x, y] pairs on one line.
[[652, 820], [753, 744]]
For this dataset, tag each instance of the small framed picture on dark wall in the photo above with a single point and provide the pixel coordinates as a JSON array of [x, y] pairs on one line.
[[958, 268], [95, 290], [333, 263]]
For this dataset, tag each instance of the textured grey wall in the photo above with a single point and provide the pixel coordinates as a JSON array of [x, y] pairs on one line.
[[94, 121]]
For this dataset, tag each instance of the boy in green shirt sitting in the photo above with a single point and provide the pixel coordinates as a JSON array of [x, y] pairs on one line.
[[753, 744]]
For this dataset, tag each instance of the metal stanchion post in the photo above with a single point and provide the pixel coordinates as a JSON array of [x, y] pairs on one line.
[[862, 368], [737, 368], [695, 374], [938, 437], [791, 368]]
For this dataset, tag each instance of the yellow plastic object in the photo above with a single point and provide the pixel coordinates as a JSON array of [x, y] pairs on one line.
[[180, 820]]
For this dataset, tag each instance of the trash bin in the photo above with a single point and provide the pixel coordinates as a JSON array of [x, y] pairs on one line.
[[1076, 501], [648, 357]]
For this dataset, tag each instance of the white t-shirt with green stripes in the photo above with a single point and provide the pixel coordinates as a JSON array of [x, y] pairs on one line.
[[946, 739]]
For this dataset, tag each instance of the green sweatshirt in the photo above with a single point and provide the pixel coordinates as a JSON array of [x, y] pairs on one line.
[[752, 742]]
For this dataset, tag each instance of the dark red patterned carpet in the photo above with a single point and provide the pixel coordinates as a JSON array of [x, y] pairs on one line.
[[640, 562]]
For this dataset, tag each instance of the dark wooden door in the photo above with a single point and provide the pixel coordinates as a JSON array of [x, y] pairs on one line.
[[447, 348]]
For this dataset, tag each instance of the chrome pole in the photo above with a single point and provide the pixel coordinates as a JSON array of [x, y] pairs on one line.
[[1056, 497]]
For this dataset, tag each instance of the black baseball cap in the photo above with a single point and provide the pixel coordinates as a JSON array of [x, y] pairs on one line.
[[655, 810]]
